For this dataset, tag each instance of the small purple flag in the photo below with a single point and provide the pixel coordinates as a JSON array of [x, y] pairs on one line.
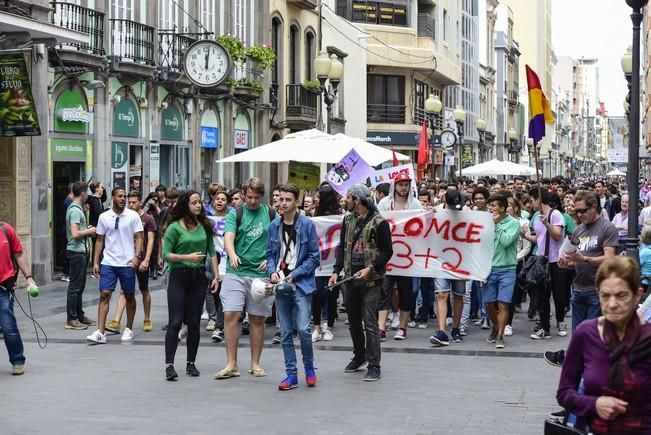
[[350, 170]]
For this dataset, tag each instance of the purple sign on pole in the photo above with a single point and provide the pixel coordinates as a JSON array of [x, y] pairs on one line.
[[350, 170]]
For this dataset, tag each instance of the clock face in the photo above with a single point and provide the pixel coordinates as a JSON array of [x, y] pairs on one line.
[[206, 63], [448, 138]]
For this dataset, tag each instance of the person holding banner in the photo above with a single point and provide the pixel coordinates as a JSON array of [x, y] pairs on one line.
[[293, 256], [401, 197], [498, 291], [364, 250]]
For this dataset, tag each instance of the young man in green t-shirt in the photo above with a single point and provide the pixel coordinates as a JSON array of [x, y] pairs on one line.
[[77, 253], [245, 242]]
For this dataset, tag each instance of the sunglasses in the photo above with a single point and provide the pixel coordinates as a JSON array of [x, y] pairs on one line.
[[581, 210], [117, 222]]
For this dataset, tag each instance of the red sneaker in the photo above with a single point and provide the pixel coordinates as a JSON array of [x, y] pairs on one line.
[[310, 376]]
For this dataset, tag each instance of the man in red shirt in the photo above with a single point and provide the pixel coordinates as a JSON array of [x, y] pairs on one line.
[[10, 246]]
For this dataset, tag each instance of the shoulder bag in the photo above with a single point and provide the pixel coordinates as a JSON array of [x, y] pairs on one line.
[[535, 271], [559, 427]]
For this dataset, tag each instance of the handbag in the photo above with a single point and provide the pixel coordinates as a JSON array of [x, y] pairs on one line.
[[535, 271], [558, 427]]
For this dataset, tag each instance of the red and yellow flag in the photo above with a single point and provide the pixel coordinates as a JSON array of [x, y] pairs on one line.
[[540, 113]]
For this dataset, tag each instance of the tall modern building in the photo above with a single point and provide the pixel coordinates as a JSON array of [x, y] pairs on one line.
[[533, 30], [507, 106], [413, 49], [469, 89]]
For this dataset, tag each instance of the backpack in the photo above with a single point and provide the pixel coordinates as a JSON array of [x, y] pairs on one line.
[[14, 277], [239, 213]]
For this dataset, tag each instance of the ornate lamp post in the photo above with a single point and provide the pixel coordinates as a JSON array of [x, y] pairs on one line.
[[481, 125], [460, 118], [633, 67], [433, 107], [328, 68]]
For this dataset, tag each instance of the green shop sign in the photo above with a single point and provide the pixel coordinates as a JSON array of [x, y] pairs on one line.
[[70, 113], [17, 110], [69, 149], [119, 154], [171, 123], [126, 121]]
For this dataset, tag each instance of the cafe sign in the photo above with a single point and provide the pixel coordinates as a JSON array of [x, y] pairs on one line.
[[171, 123], [126, 119]]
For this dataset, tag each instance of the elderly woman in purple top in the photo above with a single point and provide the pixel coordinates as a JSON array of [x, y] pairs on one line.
[[613, 356]]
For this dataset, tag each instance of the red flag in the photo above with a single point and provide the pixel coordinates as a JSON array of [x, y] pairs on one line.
[[395, 158], [423, 147]]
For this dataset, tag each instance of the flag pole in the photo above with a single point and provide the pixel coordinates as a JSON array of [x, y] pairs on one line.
[[535, 158]]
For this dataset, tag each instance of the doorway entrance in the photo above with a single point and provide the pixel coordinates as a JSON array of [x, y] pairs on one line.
[[63, 174]]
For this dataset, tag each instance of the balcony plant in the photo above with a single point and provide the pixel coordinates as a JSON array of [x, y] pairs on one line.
[[262, 55], [312, 86], [235, 48], [247, 85]]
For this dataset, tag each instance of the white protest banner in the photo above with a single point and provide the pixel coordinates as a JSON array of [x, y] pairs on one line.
[[443, 244], [387, 175]]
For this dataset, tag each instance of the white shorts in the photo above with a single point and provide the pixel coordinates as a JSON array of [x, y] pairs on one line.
[[236, 293]]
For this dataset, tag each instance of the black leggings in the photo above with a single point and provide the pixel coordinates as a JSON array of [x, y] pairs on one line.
[[317, 302], [186, 291]]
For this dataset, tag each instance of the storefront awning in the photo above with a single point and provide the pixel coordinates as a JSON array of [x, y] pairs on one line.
[[10, 23]]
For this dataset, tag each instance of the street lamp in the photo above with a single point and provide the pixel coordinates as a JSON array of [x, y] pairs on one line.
[[460, 118], [328, 68], [512, 136], [480, 125], [433, 107], [634, 128], [549, 154]]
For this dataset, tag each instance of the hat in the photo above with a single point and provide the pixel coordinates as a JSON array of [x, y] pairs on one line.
[[402, 176], [259, 290], [360, 191], [454, 199]]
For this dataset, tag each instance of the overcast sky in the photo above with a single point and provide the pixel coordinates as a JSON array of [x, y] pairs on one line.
[[596, 28]]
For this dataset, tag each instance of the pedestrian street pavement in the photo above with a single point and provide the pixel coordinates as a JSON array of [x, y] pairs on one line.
[[466, 388]]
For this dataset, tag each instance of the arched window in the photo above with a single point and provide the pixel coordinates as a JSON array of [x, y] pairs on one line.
[[276, 44], [294, 71], [310, 53]]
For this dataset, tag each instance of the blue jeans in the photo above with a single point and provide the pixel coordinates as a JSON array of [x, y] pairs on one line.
[[585, 305], [294, 312], [477, 308], [426, 288], [10, 328]]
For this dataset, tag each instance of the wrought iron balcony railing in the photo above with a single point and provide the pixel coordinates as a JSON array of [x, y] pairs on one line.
[[80, 19], [132, 41], [171, 46], [301, 102], [385, 113]]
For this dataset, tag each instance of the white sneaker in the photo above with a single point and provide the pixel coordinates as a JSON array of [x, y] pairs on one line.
[[324, 326], [508, 331], [316, 336], [562, 329], [411, 324], [328, 335], [183, 332], [448, 321], [97, 337], [211, 325], [127, 335], [204, 315], [395, 321]]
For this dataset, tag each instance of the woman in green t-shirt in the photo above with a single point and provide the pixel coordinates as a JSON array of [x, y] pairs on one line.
[[186, 243]]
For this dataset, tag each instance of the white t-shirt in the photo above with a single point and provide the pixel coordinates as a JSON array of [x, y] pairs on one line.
[[119, 245], [219, 223]]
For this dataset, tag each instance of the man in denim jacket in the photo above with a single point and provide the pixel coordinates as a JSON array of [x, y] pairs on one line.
[[292, 257]]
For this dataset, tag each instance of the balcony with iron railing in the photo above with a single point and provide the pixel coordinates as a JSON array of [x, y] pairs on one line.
[[385, 113], [132, 42], [301, 106], [171, 47], [421, 115], [80, 19]]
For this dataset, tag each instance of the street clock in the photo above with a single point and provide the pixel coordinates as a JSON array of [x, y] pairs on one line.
[[448, 138], [206, 63]]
